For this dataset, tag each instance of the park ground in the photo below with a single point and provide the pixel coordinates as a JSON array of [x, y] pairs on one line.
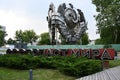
[[42, 74]]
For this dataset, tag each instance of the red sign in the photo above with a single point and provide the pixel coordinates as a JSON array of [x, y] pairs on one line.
[[89, 53]]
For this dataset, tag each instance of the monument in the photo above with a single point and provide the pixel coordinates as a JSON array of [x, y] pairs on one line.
[[69, 22], [71, 25]]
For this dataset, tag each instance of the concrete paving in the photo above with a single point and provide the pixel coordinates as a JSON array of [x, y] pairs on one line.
[[108, 74]]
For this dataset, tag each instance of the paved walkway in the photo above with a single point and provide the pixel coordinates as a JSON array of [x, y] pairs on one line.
[[108, 74]]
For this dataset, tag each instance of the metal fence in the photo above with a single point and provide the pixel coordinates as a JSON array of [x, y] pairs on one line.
[[115, 46]]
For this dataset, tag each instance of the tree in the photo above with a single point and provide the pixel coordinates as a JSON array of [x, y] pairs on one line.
[[19, 35], [11, 41], [27, 36], [62, 40], [98, 41], [84, 40], [44, 39], [2, 36], [108, 20]]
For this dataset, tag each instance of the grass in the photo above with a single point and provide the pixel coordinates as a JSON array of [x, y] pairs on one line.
[[41, 74], [38, 74], [2, 50]]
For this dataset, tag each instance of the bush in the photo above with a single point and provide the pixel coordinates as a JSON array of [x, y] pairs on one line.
[[87, 67], [68, 65], [80, 68], [18, 61]]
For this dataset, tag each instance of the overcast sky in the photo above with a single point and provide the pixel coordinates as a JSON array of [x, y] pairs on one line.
[[31, 14]]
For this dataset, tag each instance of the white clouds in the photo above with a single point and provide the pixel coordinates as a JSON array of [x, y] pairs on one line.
[[31, 14], [11, 21], [10, 18], [38, 25], [15, 21]]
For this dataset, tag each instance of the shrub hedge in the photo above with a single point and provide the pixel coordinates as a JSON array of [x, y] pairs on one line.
[[70, 65]]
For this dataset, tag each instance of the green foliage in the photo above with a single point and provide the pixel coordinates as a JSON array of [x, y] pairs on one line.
[[17, 62], [18, 35], [27, 36], [98, 41], [80, 67], [63, 41], [11, 41], [2, 36], [44, 39], [84, 40], [108, 20], [68, 65], [2, 41]]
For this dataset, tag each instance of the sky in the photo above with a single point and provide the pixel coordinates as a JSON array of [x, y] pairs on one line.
[[31, 14]]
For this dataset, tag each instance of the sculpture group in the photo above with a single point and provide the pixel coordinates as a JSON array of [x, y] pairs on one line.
[[68, 21]]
